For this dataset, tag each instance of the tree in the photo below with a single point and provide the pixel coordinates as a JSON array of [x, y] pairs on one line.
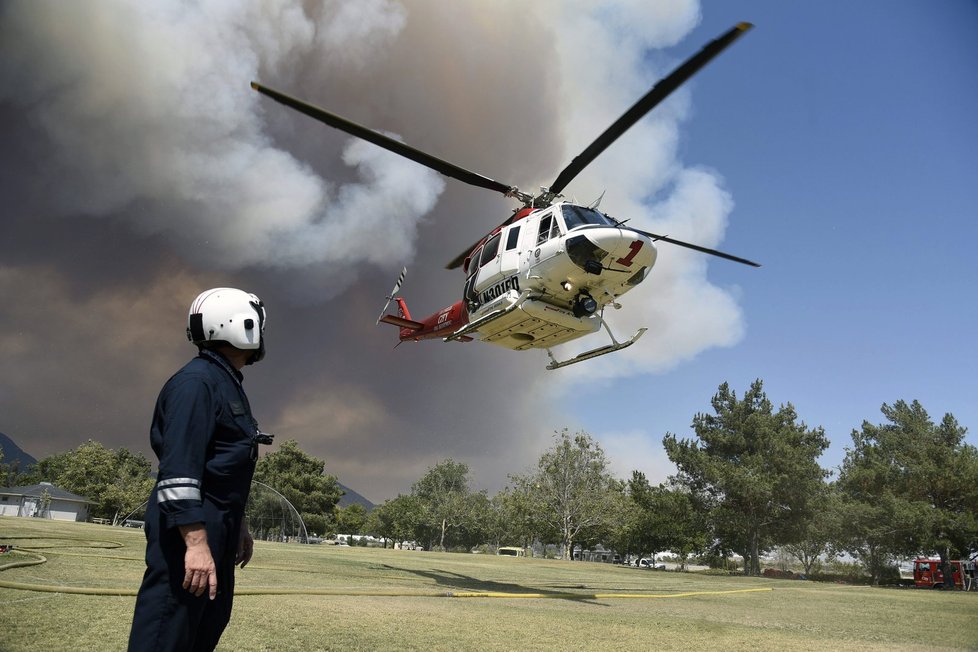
[[627, 535], [481, 524], [351, 519], [680, 521], [754, 469], [302, 479], [495, 523], [10, 473], [444, 493], [131, 486], [820, 532], [519, 508], [397, 519], [117, 482], [570, 494], [909, 487], [876, 531], [664, 518]]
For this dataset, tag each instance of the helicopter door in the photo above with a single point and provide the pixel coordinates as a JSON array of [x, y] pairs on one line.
[[501, 256], [489, 264], [498, 265], [509, 255]]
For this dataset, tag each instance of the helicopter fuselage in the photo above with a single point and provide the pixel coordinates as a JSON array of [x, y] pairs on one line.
[[542, 279]]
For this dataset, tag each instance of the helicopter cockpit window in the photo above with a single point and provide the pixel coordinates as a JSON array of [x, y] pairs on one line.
[[490, 250], [575, 216], [544, 233], [473, 266]]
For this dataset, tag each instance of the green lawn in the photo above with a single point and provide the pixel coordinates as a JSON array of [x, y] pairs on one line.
[[295, 597]]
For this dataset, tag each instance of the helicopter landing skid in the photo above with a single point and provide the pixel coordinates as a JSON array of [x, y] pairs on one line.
[[594, 353]]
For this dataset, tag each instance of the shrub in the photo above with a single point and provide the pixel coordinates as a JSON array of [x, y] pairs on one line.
[[778, 574]]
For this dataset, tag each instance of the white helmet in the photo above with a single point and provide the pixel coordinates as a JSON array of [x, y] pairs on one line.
[[226, 315]]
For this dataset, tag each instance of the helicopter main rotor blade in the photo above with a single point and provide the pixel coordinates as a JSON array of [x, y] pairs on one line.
[[705, 250], [396, 146], [456, 262], [657, 94]]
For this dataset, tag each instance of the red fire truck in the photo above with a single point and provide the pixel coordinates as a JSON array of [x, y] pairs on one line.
[[927, 573]]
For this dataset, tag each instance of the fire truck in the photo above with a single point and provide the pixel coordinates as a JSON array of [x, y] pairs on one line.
[[927, 573]]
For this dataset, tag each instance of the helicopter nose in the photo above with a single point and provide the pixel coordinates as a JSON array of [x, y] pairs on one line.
[[611, 247], [632, 250]]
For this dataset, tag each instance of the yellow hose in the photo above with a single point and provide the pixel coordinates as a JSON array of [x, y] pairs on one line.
[[26, 562], [598, 596], [83, 590]]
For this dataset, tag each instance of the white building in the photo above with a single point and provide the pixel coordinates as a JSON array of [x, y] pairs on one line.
[[43, 500]]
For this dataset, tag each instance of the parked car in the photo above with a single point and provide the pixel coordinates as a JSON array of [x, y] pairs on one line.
[[651, 565]]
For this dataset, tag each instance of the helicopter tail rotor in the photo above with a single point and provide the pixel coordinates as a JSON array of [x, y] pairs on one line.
[[394, 291]]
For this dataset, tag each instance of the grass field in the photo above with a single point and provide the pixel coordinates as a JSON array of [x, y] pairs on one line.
[[371, 599]]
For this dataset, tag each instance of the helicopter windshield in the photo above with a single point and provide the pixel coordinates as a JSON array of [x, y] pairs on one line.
[[575, 216]]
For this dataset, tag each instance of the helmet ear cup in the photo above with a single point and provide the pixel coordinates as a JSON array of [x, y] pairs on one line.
[[195, 329]]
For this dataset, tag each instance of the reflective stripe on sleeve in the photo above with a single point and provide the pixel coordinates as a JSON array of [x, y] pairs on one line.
[[178, 493], [172, 481]]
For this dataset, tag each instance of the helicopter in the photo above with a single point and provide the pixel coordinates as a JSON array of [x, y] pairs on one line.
[[545, 275]]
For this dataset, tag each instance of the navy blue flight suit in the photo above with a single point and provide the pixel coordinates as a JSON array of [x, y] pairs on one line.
[[205, 438]]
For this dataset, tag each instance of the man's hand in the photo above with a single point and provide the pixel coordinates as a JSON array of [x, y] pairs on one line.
[[198, 563], [246, 547]]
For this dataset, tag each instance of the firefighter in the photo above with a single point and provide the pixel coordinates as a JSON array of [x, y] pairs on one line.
[[207, 443]]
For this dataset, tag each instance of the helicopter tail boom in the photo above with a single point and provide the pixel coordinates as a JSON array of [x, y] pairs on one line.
[[410, 329], [436, 325]]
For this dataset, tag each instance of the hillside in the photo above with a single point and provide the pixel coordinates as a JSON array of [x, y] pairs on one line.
[[350, 497], [13, 453]]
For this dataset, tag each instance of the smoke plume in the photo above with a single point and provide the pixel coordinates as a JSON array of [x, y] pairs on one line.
[[139, 168]]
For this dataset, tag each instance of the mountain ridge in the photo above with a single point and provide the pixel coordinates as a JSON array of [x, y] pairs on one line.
[[13, 453]]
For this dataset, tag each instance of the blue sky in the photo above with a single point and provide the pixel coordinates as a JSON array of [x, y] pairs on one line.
[[847, 134]]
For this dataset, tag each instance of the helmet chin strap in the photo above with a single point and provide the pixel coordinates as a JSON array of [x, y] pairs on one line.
[[259, 353]]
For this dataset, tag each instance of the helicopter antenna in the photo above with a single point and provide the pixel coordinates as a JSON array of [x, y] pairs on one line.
[[597, 202]]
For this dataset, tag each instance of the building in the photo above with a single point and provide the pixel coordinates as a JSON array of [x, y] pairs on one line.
[[599, 554], [43, 500]]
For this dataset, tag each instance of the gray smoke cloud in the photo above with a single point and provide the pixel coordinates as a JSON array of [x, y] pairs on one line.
[[149, 105], [140, 168]]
